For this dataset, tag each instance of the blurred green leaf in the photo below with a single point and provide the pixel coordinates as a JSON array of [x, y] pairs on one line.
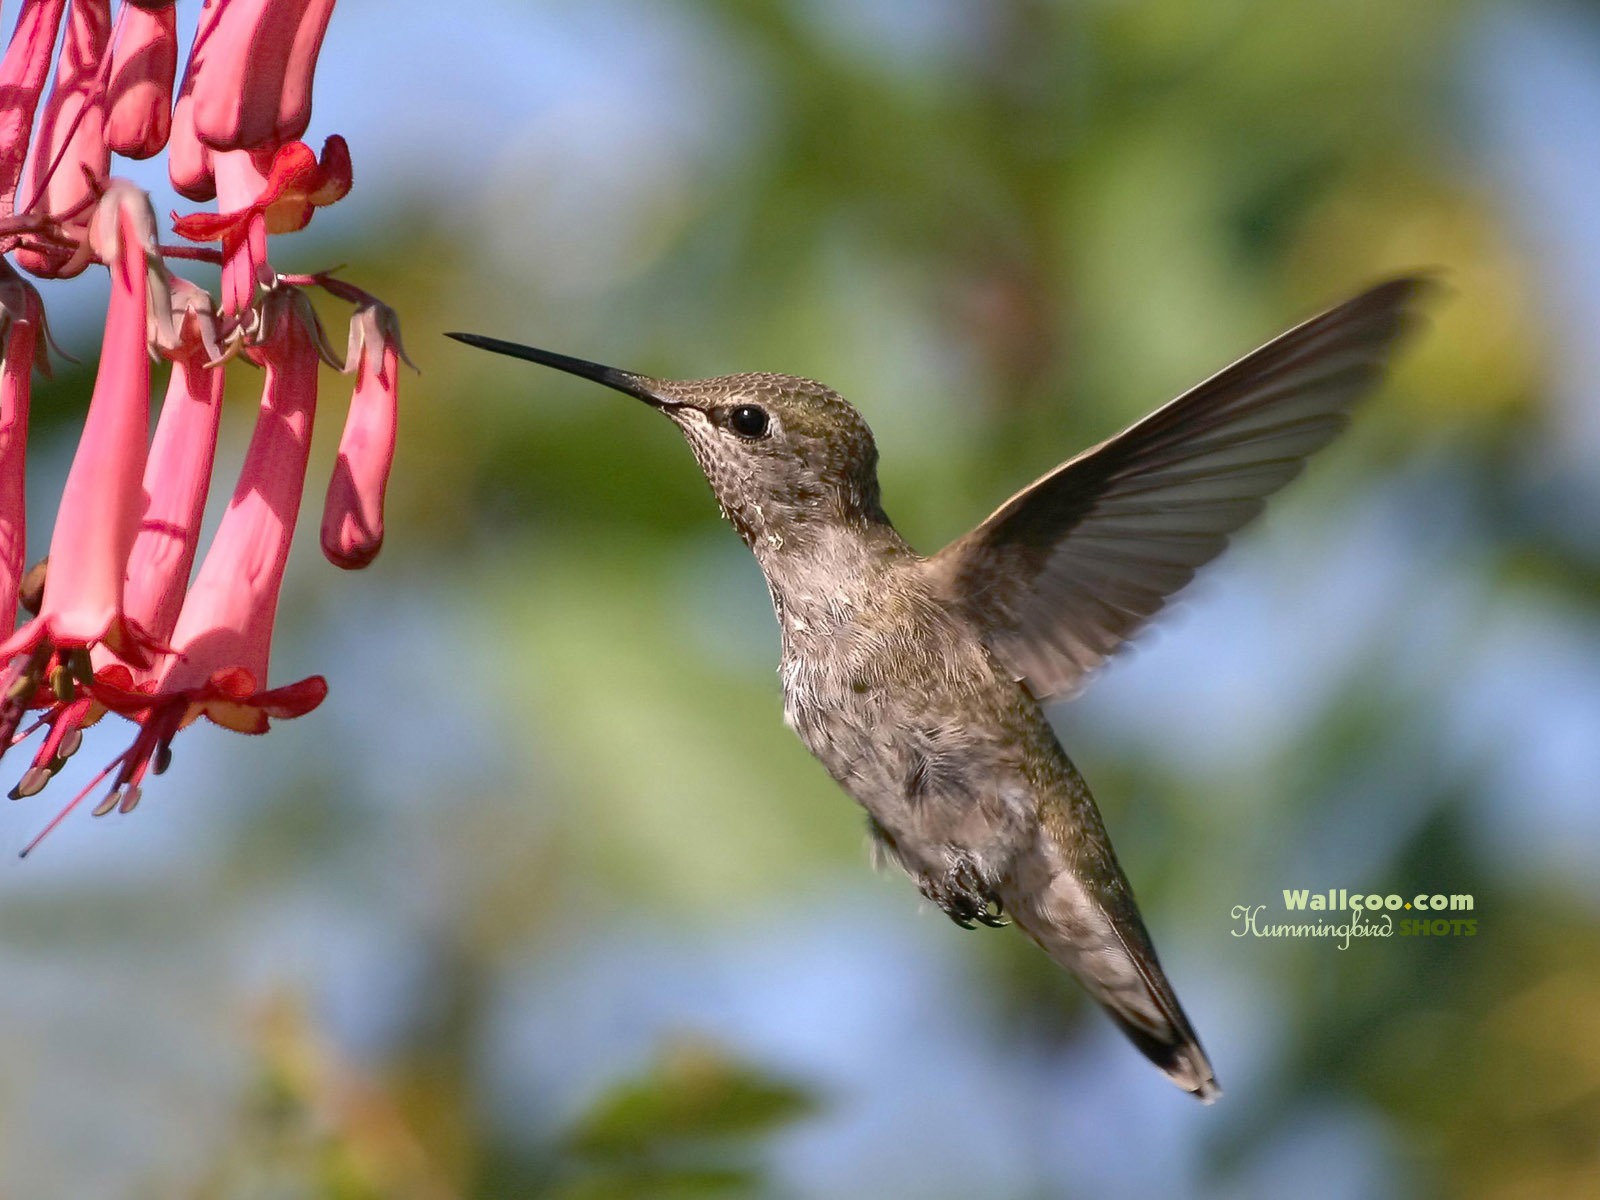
[[694, 1093]]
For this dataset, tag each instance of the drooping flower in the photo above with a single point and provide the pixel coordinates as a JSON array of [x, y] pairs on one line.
[[352, 516], [103, 500], [222, 642], [69, 159], [227, 617], [22, 76], [118, 626], [255, 86], [21, 326], [144, 60], [177, 474]]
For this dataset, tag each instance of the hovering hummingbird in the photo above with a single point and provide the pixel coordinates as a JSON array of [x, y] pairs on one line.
[[917, 681]]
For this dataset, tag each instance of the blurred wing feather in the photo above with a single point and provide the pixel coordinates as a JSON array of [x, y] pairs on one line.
[[1074, 565]]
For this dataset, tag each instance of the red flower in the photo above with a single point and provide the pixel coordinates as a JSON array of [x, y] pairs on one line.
[[22, 74], [21, 324], [118, 624], [227, 617], [352, 517], [255, 86], [144, 59], [222, 642], [69, 158], [177, 474], [281, 201], [103, 500]]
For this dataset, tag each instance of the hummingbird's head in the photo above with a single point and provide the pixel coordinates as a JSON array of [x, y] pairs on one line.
[[782, 453]]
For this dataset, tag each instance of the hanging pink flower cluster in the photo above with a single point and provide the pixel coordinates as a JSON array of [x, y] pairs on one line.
[[117, 623]]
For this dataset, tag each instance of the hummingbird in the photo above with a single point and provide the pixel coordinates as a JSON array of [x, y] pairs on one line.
[[918, 681]]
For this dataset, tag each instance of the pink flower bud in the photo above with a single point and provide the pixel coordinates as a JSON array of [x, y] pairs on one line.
[[352, 517], [294, 103], [144, 59], [239, 86], [188, 158]]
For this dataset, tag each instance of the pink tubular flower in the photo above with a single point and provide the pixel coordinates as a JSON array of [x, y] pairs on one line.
[[21, 323], [294, 104], [177, 474], [223, 639], [188, 158], [352, 517], [22, 75], [255, 86], [69, 158], [21, 327], [144, 59], [227, 617], [118, 625], [104, 496]]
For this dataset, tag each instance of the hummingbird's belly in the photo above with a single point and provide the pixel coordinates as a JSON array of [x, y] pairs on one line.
[[937, 762]]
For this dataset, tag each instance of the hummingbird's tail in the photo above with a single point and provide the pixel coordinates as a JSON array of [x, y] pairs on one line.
[[1077, 907]]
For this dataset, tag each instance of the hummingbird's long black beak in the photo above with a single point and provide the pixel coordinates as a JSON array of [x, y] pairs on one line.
[[638, 386]]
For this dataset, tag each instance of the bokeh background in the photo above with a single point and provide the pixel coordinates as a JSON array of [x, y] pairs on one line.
[[546, 901]]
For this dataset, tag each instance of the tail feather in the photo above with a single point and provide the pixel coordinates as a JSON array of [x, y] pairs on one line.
[[1083, 916]]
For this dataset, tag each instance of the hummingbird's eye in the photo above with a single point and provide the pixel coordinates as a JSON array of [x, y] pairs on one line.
[[748, 421]]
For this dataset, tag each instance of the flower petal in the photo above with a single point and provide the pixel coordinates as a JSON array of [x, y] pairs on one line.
[[294, 183], [227, 617]]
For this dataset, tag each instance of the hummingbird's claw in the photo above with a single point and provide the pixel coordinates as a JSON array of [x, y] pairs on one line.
[[965, 897], [994, 917]]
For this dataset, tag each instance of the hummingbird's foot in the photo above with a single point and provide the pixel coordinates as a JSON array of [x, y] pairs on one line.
[[993, 915], [965, 896]]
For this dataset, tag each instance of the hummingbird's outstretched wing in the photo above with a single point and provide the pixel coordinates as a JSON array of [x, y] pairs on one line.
[[1071, 567]]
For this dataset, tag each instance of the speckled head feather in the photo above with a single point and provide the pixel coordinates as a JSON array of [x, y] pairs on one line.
[[815, 458]]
